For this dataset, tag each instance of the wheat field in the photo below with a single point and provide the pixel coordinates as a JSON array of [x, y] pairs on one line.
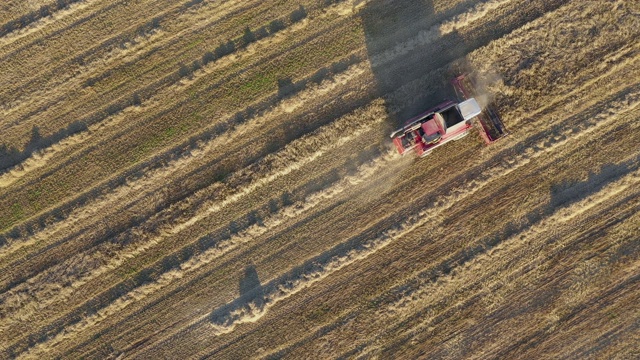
[[215, 179]]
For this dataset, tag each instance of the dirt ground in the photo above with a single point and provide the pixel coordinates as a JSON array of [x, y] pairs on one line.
[[215, 179]]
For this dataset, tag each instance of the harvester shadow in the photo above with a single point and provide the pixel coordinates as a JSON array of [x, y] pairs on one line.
[[387, 25], [421, 57], [250, 287], [10, 156], [569, 192], [223, 315], [251, 295]]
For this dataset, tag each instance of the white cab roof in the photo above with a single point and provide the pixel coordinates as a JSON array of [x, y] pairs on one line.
[[469, 109]]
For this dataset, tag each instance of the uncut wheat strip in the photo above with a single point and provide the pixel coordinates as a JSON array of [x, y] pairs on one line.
[[526, 43], [285, 290], [581, 95]]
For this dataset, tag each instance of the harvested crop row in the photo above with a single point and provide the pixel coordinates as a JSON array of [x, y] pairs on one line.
[[239, 185], [102, 71], [269, 166], [141, 147], [192, 237], [422, 238], [508, 165]]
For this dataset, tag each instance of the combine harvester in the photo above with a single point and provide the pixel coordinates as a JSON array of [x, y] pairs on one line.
[[449, 121]]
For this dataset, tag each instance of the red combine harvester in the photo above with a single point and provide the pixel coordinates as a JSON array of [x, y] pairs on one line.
[[449, 121]]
